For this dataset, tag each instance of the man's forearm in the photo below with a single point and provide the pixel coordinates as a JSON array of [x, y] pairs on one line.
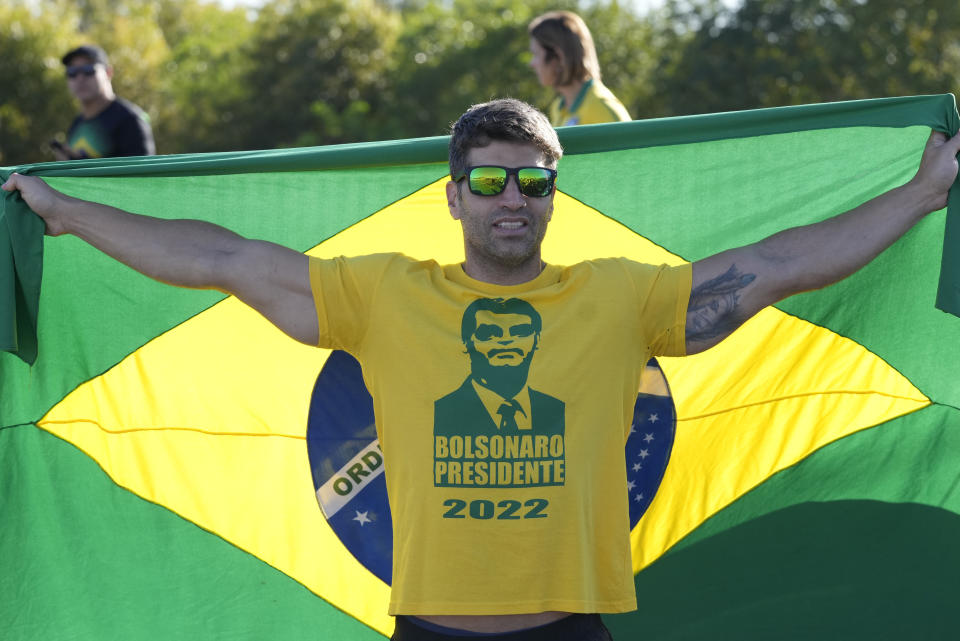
[[732, 286], [817, 255], [268, 277]]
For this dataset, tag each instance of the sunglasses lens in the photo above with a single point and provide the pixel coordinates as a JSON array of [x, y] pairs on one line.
[[86, 70], [487, 181], [535, 181], [532, 181]]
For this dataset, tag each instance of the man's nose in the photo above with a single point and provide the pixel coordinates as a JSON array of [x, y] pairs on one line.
[[511, 198]]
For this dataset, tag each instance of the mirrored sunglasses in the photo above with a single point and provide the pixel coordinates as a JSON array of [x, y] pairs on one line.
[[87, 70], [490, 180]]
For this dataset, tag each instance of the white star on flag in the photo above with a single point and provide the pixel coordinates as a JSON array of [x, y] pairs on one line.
[[362, 518], [637, 467], [631, 485], [647, 438], [644, 454], [653, 418], [638, 498]]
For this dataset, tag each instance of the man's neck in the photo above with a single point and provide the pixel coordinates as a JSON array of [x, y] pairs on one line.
[[504, 275], [94, 107]]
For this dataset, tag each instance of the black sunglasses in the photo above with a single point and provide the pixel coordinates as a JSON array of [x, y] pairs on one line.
[[87, 70], [490, 180]]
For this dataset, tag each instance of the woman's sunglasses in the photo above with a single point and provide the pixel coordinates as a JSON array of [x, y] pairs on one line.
[[87, 70], [490, 180]]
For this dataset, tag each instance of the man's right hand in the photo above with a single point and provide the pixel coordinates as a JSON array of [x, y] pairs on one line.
[[61, 152], [40, 197], [270, 278]]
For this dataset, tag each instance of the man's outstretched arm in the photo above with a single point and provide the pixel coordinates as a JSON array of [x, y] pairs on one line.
[[732, 286], [271, 278]]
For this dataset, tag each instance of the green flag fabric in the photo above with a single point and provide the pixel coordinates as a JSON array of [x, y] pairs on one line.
[[21, 269], [948, 295], [155, 480]]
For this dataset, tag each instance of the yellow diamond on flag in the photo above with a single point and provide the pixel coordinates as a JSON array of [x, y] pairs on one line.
[[209, 419]]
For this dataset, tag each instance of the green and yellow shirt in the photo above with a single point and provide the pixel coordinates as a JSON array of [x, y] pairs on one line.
[[594, 104]]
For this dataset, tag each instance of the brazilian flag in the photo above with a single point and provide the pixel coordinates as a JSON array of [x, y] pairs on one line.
[[162, 457]]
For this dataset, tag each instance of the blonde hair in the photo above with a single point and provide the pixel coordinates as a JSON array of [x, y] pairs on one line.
[[565, 36]]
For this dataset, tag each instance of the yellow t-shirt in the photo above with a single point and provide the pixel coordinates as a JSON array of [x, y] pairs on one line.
[[594, 104], [529, 512]]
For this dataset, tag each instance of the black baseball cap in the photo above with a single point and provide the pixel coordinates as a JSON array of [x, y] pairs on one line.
[[95, 53]]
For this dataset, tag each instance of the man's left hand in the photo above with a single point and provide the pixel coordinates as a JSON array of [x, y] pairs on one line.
[[938, 169]]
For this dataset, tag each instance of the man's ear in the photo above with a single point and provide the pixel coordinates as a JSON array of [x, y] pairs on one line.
[[453, 199], [109, 70]]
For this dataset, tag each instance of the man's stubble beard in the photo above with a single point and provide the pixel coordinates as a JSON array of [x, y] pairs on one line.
[[506, 252]]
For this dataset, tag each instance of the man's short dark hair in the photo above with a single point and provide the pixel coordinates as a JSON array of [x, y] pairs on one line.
[[93, 52], [498, 306], [506, 120]]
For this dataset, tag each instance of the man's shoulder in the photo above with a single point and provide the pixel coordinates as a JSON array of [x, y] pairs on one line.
[[75, 123], [624, 275], [122, 116], [383, 261], [620, 264], [128, 127], [609, 265], [122, 105]]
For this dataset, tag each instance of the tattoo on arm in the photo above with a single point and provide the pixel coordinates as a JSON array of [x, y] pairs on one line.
[[713, 306]]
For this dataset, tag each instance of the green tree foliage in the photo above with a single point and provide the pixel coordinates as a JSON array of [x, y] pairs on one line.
[[467, 51], [201, 80], [33, 94], [782, 52], [311, 72], [453, 55], [318, 73]]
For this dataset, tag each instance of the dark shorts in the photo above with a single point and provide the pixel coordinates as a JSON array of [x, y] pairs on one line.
[[576, 627]]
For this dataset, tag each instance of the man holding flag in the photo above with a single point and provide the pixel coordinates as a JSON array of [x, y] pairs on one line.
[[519, 554]]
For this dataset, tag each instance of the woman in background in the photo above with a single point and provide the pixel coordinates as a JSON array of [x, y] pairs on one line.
[[565, 60]]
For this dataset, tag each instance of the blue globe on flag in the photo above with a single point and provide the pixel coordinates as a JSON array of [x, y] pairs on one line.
[[348, 472]]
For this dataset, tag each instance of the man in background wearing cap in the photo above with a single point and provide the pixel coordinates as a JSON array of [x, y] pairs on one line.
[[106, 125]]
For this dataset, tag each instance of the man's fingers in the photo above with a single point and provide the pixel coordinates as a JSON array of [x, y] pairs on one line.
[[11, 183], [939, 139], [953, 144]]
